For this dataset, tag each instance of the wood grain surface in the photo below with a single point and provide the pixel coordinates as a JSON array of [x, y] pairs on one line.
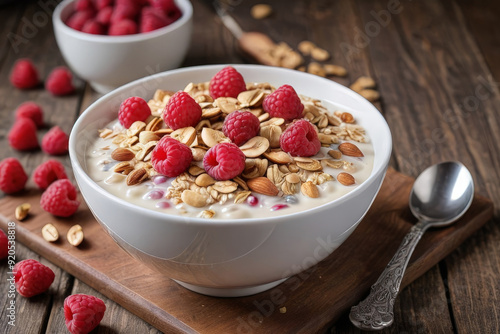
[[436, 66]]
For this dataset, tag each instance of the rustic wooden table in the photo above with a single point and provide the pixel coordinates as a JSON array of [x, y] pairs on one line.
[[437, 70]]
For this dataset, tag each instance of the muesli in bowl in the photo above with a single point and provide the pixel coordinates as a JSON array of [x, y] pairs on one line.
[[230, 190]]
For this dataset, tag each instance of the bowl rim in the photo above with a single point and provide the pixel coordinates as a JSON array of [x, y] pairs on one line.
[[184, 5], [77, 167]]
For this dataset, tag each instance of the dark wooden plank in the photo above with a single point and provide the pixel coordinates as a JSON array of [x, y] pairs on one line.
[[481, 18], [313, 299], [441, 104]]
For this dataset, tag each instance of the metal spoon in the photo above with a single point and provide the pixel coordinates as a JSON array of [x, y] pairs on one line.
[[440, 195]]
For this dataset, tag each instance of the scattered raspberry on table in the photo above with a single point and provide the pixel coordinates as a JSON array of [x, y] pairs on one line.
[[30, 109], [12, 176], [59, 198], [170, 157], [55, 141], [48, 172], [240, 126], [224, 161], [83, 313], [59, 82], [181, 111], [283, 102], [133, 109], [24, 75], [32, 278], [22, 135], [228, 82], [4, 245], [300, 139]]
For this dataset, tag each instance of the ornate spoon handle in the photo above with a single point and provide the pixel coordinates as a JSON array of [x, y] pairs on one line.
[[376, 311]]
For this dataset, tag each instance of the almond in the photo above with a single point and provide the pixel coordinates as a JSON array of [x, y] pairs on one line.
[[346, 179], [263, 185], [309, 189], [335, 154], [122, 154], [137, 176], [351, 150]]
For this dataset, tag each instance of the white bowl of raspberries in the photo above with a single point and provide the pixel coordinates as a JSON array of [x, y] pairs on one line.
[[206, 253], [112, 42]]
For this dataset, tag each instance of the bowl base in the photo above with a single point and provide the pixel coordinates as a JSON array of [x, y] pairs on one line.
[[101, 88], [236, 292]]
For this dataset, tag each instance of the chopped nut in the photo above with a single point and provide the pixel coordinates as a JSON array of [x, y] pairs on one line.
[[316, 68], [50, 233], [194, 199], [306, 47], [319, 54], [255, 147], [261, 11], [22, 211], [362, 83], [75, 235], [335, 154], [335, 70], [370, 94]]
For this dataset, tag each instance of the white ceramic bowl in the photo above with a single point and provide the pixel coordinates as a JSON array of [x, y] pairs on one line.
[[224, 257], [108, 62]]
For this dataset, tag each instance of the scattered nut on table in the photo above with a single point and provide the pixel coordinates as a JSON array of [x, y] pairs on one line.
[[22, 211], [261, 11], [75, 235], [50, 233]]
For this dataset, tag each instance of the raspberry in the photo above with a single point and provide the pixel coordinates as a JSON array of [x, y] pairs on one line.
[[4, 245], [181, 111], [104, 15], [170, 157], [83, 313], [123, 27], [78, 19], [82, 5], [224, 161], [168, 7], [55, 141], [59, 81], [283, 102], [125, 9], [227, 83], [12, 176], [59, 198], [30, 110], [240, 126], [93, 27], [152, 19], [133, 109], [22, 135], [48, 172], [32, 278], [100, 4], [300, 139], [24, 74]]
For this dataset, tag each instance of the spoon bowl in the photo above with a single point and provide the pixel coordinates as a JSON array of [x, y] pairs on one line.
[[440, 196]]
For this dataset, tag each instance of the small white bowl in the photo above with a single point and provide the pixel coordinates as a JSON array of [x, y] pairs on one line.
[[230, 257], [108, 62]]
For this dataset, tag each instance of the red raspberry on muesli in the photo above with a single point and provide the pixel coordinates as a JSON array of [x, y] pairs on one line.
[[227, 83], [240, 126], [181, 111], [170, 157], [133, 109], [224, 161], [300, 139], [283, 102]]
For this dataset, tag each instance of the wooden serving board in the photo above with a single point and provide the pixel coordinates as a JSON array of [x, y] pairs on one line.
[[313, 299]]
